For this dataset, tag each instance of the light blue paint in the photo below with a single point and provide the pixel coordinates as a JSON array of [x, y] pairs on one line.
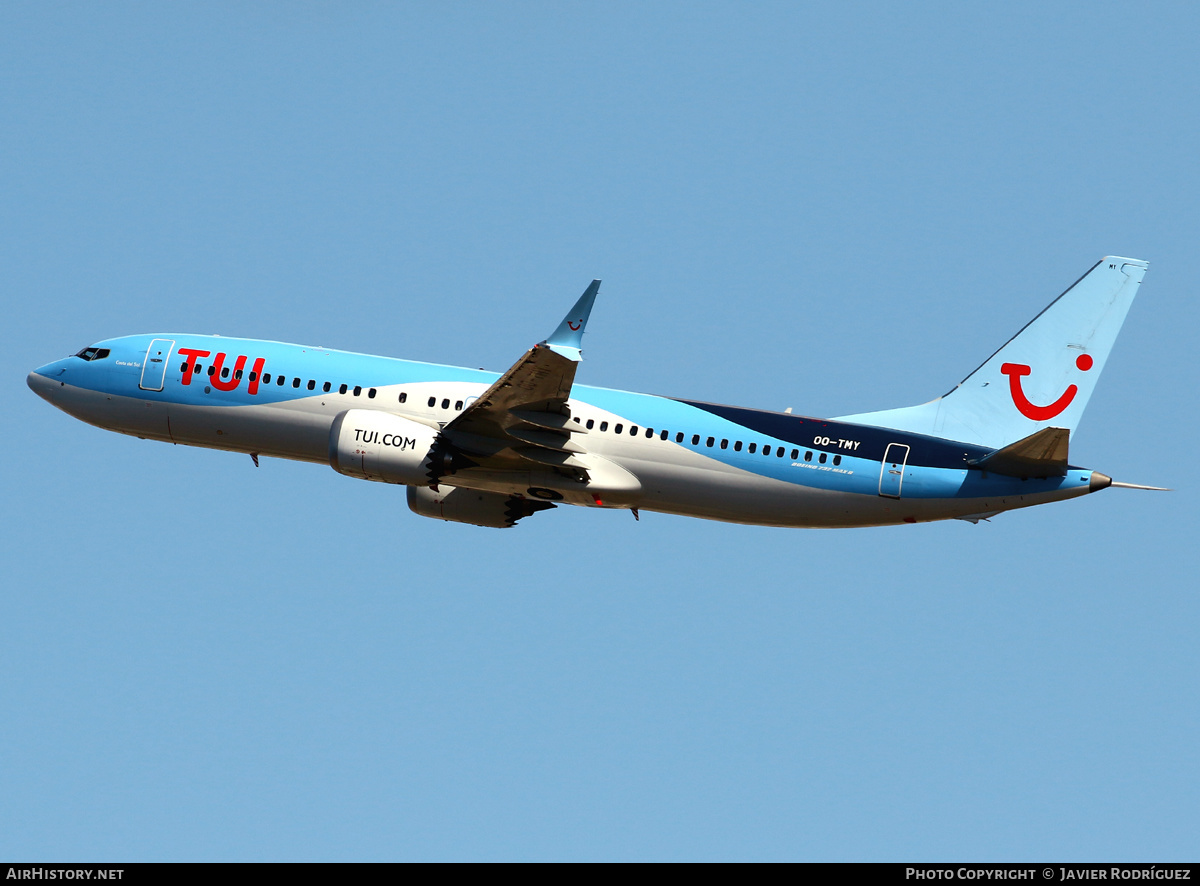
[[1065, 347], [567, 339]]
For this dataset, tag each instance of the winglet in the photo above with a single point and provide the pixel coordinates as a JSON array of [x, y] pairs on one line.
[[567, 339]]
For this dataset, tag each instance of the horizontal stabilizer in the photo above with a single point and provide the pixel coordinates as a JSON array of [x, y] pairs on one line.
[[1042, 454]]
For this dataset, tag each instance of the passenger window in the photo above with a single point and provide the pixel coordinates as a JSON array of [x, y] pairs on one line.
[[279, 379], [357, 390], [737, 446], [371, 394], [591, 422], [253, 375], [618, 428], [312, 384], [779, 452], [445, 403], [237, 373], [196, 369], [822, 458], [342, 389], [403, 397], [766, 450], [695, 439], [432, 402], [679, 437], [633, 430], [808, 455], [724, 444], [266, 378], [182, 368], [663, 435], [225, 372], [295, 382], [458, 407], [753, 447], [326, 387], [212, 370], [795, 454], [604, 426], [710, 441], [650, 433], [837, 459]]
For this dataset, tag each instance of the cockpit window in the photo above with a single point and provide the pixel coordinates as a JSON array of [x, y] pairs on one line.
[[93, 353]]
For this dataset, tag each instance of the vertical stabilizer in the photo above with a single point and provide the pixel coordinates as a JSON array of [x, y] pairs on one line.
[[1042, 377]]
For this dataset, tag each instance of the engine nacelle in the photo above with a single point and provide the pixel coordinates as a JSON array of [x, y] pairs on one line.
[[383, 447], [495, 509]]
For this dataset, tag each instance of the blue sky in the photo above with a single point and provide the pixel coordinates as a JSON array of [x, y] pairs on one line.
[[830, 207]]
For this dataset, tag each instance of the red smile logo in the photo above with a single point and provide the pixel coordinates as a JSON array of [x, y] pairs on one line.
[[1014, 371]]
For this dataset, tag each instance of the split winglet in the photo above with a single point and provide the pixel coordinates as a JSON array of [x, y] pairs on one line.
[[568, 337]]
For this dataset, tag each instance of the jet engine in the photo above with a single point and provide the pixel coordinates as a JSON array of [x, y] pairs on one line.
[[494, 509], [387, 448]]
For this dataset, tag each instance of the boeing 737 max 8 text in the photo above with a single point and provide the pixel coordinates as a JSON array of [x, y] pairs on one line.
[[476, 447]]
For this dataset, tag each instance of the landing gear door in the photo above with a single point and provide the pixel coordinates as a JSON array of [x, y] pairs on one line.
[[891, 475], [154, 369]]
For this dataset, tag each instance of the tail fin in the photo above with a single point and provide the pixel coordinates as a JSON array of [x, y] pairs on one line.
[[1042, 377]]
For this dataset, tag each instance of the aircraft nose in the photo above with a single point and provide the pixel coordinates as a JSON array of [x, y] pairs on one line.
[[39, 384], [44, 380]]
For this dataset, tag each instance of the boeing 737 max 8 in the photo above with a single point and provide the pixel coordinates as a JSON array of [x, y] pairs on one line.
[[478, 448]]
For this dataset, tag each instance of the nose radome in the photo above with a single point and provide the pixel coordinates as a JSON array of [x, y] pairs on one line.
[[37, 383], [43, 381]]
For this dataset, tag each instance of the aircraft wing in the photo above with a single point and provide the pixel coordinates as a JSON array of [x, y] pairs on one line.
[[523, 417]]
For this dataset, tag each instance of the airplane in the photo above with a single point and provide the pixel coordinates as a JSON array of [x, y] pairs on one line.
[[489, 450]]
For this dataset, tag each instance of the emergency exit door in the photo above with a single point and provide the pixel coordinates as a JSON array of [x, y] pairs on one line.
[[891, 474], [154, 369]]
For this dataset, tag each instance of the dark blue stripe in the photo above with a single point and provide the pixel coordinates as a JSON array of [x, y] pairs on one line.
[[930, 452]]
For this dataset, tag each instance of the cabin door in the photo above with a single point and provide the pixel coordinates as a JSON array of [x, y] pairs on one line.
[[154, 369], [891, 474]]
